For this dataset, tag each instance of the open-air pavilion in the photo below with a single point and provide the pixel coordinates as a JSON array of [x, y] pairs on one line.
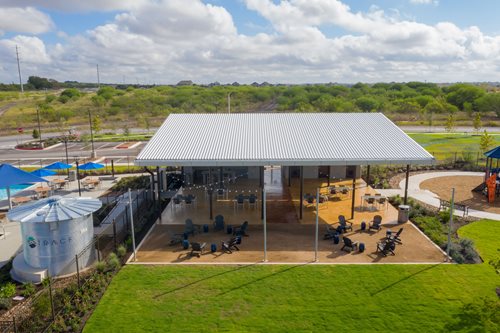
[[289, 175]]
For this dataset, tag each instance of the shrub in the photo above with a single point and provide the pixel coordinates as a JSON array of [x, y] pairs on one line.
[[8, 290], [433, 228], [100, 266], [5, 303], [121, 251], [41, 306], [113, 262], [28, 289]]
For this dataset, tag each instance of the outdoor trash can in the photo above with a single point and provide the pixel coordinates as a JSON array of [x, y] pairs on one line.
[[403, 213], [205, 228], [361, 247], [388, 233], [229, 229], [363, 226], [213, 247], [336, 239], [185, 244], [238, 240]]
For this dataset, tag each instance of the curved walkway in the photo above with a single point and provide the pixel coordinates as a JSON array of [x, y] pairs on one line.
[[430, 198]]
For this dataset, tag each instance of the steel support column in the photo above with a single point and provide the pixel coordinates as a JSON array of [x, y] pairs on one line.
[[301, 199], [353, 195], [368, 175], [406, 185]]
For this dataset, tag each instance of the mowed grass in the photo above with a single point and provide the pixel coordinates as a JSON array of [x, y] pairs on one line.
[[450, 143], [300, 298], [486, 233]]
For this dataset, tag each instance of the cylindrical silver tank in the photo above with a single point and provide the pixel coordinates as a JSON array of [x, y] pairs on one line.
[[54, 230]]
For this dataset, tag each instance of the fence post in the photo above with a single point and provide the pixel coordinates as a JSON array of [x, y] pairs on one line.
[[98, 250], [77, 270], [51, 299], [114, 233]]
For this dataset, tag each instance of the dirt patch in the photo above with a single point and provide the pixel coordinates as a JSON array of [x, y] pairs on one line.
[[463, 191], [125, 145]]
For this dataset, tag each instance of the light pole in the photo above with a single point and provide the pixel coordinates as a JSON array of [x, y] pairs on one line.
[[229, 102], [78, 178], [93, 154], [66, 149]]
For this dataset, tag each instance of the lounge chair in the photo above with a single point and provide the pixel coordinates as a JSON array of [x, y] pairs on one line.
[[331, 231], [344, 223], [396, 237], [230, 245], [176, 238], [349, 245], [219, 223], [191, 228], [386, 247], [197, 249], [376, 223], [241, 230]]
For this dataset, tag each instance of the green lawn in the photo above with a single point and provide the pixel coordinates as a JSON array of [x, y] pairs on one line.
[[450, 143], [487, 232], [300, 298]]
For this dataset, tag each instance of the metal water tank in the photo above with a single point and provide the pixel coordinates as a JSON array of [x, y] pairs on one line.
[[54, 230]]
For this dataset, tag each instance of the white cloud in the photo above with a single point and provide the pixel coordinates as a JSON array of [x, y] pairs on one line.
[[77, 5], [24, 20], [424, 2], [165, 41]]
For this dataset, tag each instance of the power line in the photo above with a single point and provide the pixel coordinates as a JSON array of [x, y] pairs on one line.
[[19, 71]]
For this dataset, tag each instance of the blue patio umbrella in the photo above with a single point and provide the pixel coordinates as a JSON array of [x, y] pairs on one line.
[[43, 173], [58, 166], [10, 175], [90, 166]]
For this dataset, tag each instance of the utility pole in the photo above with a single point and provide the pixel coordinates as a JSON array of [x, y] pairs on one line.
[[93, 154], [19, 71], [98, 79]]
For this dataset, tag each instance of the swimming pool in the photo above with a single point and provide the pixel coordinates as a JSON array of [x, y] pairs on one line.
[[13, 189]]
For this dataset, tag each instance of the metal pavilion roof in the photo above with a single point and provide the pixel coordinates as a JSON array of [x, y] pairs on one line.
[[280, 139]]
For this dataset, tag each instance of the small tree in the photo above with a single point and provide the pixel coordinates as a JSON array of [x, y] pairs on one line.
[[36, 134], [96, 124], [477, 122], [486, 141], [450, 123]]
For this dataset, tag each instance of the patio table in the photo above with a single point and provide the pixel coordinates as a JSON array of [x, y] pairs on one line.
[[365, 197]]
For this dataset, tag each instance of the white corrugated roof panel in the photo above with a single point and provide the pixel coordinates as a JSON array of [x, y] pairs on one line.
[[280, 139]]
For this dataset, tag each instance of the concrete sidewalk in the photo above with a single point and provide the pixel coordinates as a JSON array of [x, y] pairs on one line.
[[430, 198]]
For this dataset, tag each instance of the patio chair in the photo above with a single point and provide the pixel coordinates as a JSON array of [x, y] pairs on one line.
[[345, 191], [221, 194], [191, 228], [386, 247], [376, 223], [344, 223], [230, 245], [370, 201], [252, 201], [176, 202], [396, 237], [240, 201], [197, 249], [349, 245], [241, 230], [330, 232], [219, 223], [382, 201]]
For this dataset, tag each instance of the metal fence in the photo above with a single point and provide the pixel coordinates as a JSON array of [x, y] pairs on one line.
[[43, 311]]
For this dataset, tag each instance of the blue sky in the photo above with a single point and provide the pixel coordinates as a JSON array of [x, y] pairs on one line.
[[250, 40]]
